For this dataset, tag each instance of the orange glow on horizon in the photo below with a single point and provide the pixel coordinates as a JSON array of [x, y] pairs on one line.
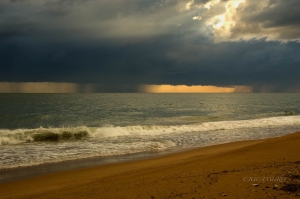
[[61, 87], [193, 89]]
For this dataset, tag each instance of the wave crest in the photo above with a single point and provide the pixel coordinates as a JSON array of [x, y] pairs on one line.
[[112, 131], [58, 134], [42, 135]]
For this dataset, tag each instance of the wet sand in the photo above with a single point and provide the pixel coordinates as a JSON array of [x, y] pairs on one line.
[[268, 168]]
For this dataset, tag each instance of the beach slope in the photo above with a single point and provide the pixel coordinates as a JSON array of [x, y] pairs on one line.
[[268, 168]]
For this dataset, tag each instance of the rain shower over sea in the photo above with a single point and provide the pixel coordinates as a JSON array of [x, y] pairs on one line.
[[41, 129]]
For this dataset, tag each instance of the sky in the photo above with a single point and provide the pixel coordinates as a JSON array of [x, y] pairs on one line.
[[149, 46]]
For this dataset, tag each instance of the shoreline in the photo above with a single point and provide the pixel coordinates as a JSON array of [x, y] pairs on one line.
[[210, 171], [24, 172]]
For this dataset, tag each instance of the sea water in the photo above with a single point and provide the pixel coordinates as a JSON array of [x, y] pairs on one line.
[[41, 129]]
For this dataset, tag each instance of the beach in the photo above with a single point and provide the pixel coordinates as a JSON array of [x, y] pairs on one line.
[[266, 168]]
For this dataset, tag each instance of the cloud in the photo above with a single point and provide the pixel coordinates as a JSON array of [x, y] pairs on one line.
[[273, 19], [228, 20], [123, 44], [156, 61], [64, 19], [232, 20]]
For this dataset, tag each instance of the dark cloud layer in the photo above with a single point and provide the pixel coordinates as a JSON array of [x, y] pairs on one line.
[[276, 19], [137, 42]]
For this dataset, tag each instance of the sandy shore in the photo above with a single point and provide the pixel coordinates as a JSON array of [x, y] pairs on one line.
[[267, 168]]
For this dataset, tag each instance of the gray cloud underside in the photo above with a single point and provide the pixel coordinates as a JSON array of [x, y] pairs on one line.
[[159, 61], [63, 19], [276, 19], [136, 42], [81, 19]]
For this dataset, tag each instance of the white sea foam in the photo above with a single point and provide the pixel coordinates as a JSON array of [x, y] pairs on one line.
[[8, 137], [112, 131], [72, 151], [111, 141]]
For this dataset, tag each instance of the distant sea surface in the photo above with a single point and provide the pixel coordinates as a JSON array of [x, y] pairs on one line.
[[37, 129]]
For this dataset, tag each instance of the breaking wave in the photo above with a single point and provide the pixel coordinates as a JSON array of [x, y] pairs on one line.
[[17, 136], [42, 135], [112, 131]]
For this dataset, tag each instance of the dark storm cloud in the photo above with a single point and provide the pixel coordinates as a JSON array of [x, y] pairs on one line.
[[114, 46], [277, 19], [256, 63], [280, 14], [15, 29], [161, 61]]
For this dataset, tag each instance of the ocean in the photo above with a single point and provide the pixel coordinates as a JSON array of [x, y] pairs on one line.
[[39, 131]]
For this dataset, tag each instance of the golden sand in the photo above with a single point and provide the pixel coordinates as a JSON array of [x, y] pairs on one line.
[[249, 169]]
